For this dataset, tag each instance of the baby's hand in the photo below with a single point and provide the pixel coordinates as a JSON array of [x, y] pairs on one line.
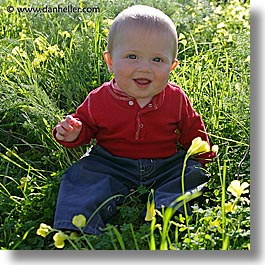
[[68, 129]]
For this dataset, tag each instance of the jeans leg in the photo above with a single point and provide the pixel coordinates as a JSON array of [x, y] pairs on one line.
[[90, 182], [82, 192], [167, 178]]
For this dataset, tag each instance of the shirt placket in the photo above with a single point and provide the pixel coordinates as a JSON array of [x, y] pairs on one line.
[[132, 103], [140, 126]]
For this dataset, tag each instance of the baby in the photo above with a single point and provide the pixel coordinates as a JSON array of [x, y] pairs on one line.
[[137, 120]]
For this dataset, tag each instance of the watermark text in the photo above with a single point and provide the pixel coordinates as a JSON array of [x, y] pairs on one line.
[[56, 9]]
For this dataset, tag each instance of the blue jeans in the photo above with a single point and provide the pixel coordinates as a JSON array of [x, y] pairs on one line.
[[99, 175]]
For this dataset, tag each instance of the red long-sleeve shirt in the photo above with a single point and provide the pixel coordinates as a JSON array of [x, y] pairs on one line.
[[125, 129]]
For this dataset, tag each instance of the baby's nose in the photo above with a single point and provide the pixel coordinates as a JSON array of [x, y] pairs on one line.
[[144, 66]]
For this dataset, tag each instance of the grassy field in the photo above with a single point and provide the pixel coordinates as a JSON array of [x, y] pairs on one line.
[[50, 61]]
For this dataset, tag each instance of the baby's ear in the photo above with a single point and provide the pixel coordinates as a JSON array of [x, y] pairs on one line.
[[108, 60], [174, 64]]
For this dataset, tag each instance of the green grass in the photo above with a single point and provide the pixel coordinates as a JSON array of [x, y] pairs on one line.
[[50, 61]]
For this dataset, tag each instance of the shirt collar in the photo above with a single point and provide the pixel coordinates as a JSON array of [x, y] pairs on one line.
[[156, 101], [117, 93]]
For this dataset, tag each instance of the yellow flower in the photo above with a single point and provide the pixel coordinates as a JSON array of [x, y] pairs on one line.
[[53, 49], [106, 32], [236, 189], [150, 208], [108, 21], [61, 54], [12, 152], [181, 218], [91, 24], [18, 51], [36, 63], [42, 57], [182, 39], [79, 221], [221, 25], [23, 182], [198, 146], [214, 225], [65, 34], [59, 239], [229, 207], [206, 19], [39, 59], [215, 148], [22, 35], [74, 236], [218, 10], [40, 41], [43, 230], [230, 38], [150, 213]]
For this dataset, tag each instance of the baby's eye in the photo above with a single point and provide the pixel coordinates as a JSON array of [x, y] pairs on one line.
[[132, 56], [157, 60]]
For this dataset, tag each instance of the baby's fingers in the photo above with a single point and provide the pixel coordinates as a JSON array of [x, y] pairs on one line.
[[72, 121], [63, 129], [59, 136]]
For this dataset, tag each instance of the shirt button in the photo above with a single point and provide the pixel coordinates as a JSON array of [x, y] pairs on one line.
[[131, 103], [150, 105], [141, 126]]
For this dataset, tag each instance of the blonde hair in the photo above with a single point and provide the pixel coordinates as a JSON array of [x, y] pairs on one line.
[[145, 17]]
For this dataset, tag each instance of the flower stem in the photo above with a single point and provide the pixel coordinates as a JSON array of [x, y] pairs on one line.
[[183, 192]]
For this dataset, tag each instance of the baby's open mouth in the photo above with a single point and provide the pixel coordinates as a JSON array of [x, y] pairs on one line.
[[142, 82]]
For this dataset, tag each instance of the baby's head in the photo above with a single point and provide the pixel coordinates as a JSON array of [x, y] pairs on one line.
[[141, 51], [141, 17]]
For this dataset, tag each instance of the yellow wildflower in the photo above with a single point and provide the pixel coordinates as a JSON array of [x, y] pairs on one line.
[[79, 221], [218, 10], [36, 63], [23, 182], [215, 148], [65, 34], [230, 207], [22, 35], [214, 225], [106, 32], [108, 21], [198, 146], [91, 24], [39, 59], [221, 25], [181, 218], [40, 41], [182, 39], [53, 49], [9, 152], [61, 54], [74, 235], [150, 208], [59, 239], [18, 51], [206, 19], [236, 189], [43, 230], [42, 57], [150, 213]]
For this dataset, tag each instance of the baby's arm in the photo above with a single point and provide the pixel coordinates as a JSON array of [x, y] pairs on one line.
[[68, 129], [78, 128]]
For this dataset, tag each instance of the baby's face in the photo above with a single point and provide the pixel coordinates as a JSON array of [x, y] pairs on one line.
[[141, 62]]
